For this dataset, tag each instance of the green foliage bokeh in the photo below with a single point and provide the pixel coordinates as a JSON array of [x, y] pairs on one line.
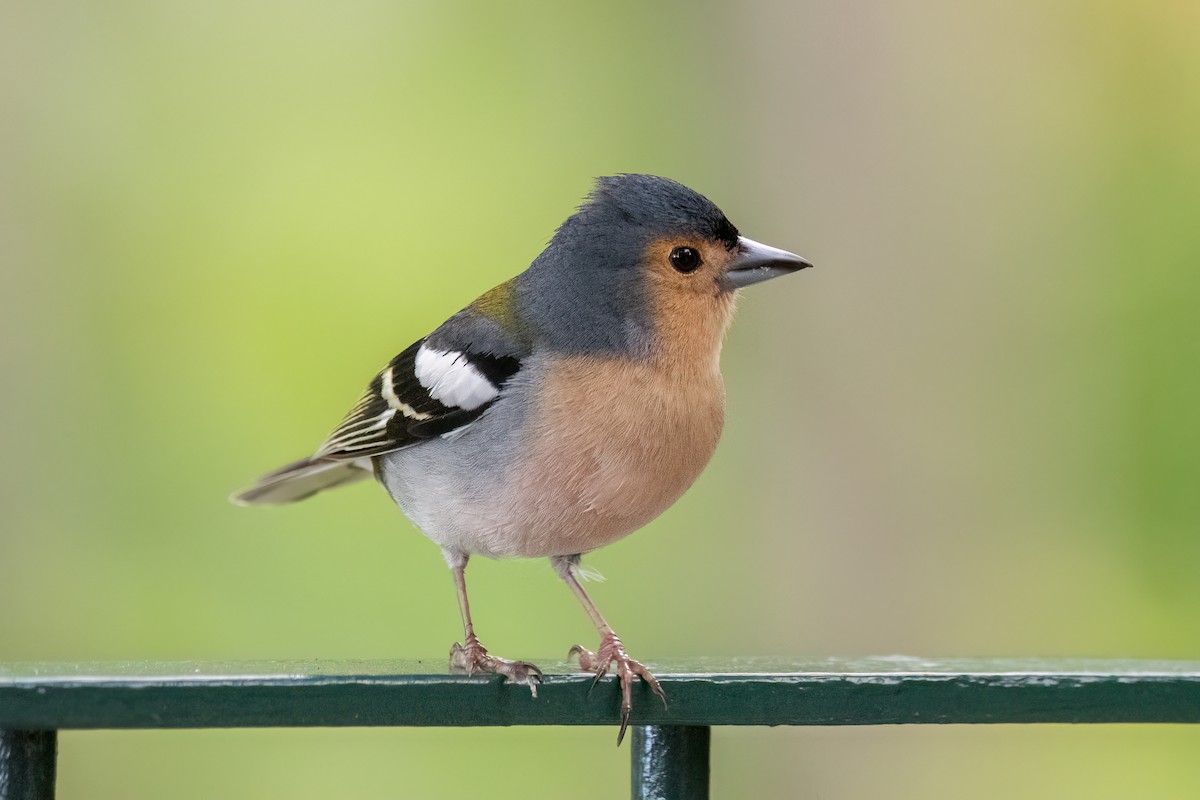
[[973, 430]]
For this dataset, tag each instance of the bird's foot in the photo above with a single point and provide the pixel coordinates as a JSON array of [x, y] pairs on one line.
[[612, 652], [473, 658]]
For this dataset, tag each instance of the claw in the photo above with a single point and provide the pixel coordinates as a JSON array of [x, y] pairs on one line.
[[611, 652], [475, 658]]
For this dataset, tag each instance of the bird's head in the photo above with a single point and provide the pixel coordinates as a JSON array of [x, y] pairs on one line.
[[643, 260]]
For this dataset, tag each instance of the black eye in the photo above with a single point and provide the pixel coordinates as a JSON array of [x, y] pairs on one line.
[[685, 259]]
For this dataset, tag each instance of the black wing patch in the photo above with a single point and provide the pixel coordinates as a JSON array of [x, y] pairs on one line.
[[397, 410]]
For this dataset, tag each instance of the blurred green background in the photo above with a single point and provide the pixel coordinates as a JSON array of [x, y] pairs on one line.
[[974, 430]]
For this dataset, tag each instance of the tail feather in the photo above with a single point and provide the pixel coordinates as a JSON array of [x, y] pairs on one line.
[[302, 479]]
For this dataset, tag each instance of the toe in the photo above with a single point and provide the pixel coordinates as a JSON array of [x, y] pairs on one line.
[[530, 679], [589, 661], [652, 681]]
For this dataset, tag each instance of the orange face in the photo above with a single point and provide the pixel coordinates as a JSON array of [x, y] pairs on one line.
[[691, 303], [691, 265]]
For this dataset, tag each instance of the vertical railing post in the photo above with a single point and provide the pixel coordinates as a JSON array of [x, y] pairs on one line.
[[27, 764], [670, 762]]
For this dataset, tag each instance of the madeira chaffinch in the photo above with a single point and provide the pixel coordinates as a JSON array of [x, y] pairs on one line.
[[563, 409]]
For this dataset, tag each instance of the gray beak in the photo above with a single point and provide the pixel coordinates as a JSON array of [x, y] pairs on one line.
[[756, 262]]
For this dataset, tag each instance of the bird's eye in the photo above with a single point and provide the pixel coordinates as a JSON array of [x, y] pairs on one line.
[[685, 259]]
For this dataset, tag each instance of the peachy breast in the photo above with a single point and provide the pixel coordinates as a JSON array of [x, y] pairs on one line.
[[613, 444]]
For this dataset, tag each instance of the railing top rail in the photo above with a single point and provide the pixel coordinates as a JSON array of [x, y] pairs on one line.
[[709, 691]]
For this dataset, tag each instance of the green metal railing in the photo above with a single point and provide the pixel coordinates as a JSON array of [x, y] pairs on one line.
[[670, 744]]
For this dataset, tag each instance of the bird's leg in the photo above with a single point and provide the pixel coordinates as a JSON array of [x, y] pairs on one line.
[[610, 651], [472, 657]]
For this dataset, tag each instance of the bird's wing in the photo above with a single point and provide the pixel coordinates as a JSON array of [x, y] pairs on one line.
[[437, 385]]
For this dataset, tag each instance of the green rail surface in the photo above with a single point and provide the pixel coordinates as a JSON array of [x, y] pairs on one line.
[[669, 748], [874, 691]]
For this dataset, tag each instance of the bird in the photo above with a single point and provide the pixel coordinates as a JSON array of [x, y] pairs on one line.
[[563, 409]]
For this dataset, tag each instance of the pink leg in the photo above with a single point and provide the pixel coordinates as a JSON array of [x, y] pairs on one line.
[[472, 657], [610, 651]]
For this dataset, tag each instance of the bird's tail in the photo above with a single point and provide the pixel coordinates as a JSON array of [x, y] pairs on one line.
[[302, 479]]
